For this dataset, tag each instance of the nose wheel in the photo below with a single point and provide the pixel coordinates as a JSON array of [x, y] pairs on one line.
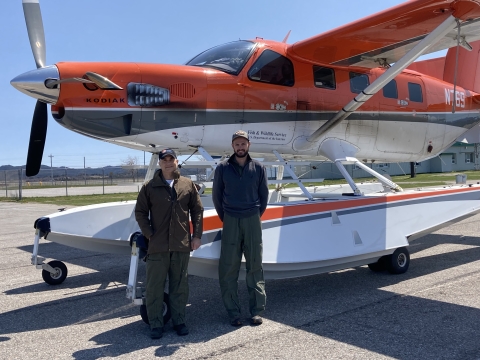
[[167, 314], [55, 272]]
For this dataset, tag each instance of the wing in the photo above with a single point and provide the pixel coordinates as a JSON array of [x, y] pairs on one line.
[[389, 35]]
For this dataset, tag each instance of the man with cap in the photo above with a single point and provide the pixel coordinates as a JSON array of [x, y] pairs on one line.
[[240, 195], [162, 212]]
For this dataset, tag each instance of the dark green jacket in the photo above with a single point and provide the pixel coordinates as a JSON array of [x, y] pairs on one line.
[[162, 213]]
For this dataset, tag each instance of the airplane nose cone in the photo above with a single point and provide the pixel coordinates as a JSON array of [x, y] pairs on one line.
[[33, 83]]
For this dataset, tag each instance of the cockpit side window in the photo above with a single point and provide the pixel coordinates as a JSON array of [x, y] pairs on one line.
[[272, 68]]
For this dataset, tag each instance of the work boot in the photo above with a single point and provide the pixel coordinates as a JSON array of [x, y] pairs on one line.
[[156, 333], [256, 320], [181, 329], [236, 322]]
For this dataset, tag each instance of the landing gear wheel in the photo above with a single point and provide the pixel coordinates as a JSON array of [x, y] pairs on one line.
[[167, 314], [398, 262], [60, 273], [378, 266]]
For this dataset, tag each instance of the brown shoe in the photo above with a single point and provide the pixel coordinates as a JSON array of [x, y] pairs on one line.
[[256, 320]]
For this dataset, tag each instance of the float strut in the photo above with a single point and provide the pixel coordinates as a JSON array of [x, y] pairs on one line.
[[287, 167], [346, 175]]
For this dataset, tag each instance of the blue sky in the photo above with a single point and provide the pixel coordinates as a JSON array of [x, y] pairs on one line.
[[139, 31]]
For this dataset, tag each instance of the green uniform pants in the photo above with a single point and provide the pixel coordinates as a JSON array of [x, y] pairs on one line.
[[159, 265], [242, 236]]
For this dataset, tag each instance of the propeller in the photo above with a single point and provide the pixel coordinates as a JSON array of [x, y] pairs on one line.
[[38, 132]]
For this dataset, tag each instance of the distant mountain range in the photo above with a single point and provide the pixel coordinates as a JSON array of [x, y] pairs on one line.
[[46, 167]]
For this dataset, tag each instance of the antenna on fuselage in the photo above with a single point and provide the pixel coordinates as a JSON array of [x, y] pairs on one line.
[[286, 37]]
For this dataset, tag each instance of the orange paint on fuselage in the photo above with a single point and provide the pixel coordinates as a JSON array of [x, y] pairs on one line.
[[217, 90]]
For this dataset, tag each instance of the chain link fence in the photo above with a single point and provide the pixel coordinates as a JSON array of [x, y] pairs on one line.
[[72, 181]]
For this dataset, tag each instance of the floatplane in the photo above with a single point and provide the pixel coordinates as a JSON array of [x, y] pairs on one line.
[[352, 95]]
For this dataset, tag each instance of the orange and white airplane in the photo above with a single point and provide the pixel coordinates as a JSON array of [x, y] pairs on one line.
[[331, 96], [350, 95]]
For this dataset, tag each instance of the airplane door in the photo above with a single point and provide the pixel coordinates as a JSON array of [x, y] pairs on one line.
[[402, 126], [270, 102], [225, 98]]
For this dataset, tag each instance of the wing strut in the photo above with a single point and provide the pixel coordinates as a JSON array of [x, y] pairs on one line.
[[306, 143]]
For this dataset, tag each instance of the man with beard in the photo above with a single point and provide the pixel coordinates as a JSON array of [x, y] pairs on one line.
[[162, 212], [240, 195]]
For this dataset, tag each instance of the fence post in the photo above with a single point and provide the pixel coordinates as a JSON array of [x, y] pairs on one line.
[[20, 173], [66, 183], [6, 191], [103, 180]]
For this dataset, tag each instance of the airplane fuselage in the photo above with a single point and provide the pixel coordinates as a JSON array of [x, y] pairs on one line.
[[185, 106]]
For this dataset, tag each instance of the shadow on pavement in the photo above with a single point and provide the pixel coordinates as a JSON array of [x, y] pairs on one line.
[[348, 306]]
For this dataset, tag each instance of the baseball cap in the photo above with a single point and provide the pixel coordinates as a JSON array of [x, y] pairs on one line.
[[240, 133], [167, 152]]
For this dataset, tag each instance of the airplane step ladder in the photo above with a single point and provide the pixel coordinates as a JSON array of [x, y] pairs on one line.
[[133, 292]]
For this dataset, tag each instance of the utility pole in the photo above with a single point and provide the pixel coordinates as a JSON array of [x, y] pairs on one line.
[[51, 168], [84, 170]]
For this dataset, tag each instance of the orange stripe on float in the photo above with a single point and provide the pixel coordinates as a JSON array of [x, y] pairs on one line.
[[286, 211]]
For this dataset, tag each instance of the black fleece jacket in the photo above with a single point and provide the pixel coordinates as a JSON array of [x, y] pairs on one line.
[[240, 195]]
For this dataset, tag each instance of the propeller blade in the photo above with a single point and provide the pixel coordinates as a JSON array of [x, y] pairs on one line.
[[33, 19], [38, 133]]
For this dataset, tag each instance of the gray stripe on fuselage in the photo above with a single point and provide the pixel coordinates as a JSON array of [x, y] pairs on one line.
[[216, 235], [164, 119]]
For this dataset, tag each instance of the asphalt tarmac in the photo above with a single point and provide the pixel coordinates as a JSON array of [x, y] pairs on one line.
[[431, 312]]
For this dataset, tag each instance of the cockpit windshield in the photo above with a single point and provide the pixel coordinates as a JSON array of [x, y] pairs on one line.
[[230, 57]]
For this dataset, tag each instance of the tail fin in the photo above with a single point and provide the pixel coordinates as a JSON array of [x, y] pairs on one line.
[[468, 71]]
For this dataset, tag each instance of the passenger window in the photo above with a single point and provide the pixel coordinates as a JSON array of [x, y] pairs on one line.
[[358, 82], [272, 68], [390, 90], [415, 92], [324, 77]]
